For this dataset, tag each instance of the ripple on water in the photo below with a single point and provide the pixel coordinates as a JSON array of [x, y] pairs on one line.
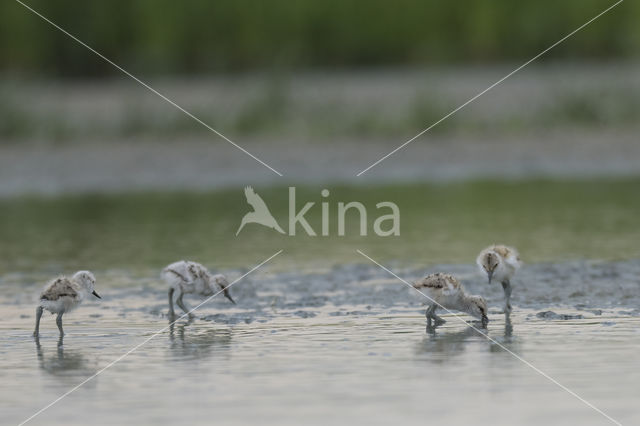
[[360, 347]]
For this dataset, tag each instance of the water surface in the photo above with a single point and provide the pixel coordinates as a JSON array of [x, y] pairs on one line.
[[347, 344], [447, 223]]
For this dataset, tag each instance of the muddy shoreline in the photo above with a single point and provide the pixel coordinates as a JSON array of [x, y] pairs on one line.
[[588, 286]]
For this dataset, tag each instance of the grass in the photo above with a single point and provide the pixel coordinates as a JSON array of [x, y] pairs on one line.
[[546, 220], [199, 36]]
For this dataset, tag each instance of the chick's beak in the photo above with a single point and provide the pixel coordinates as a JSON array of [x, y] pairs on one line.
[[96, 294], [485, 321], [490, 275], [228, 296]]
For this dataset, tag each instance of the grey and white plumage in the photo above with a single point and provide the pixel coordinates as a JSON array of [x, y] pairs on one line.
[[187, 277], [444, 290], [63, 294], [500, 263]]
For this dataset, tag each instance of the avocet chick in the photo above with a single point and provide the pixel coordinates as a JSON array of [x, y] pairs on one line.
[[445, 291], [500, 263], [64, 294], [186, 277]]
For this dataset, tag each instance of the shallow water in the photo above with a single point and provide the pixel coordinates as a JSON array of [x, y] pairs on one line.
[[546, 220], [345, 345]]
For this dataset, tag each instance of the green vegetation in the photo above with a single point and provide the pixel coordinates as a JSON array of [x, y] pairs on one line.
[[546, 220], [202, 36]]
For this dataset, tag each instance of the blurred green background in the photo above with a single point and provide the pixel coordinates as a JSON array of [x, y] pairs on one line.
[[549, 221], [201, 36], [96, 171]]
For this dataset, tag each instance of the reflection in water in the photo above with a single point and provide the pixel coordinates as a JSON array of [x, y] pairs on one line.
[[196, 342], [507, 339], [447, 345], [508, 328], [63, 362]]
